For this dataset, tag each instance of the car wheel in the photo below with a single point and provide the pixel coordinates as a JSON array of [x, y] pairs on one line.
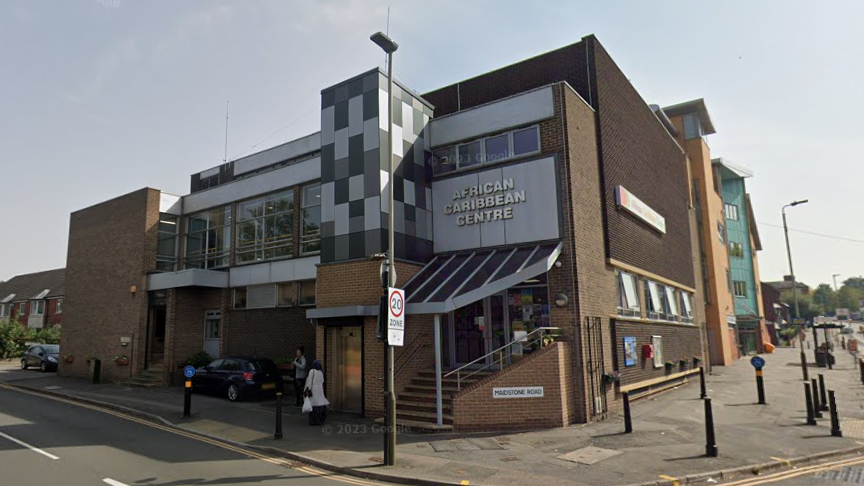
[[43, 367], [23, 364], [233, 393]]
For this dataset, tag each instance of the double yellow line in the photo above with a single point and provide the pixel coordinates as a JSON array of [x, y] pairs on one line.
[[224, 445], [801, 471]]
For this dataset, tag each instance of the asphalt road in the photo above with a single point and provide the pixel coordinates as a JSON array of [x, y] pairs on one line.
[[48, 442]]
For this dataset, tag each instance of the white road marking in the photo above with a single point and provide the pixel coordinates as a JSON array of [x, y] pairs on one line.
[[24, 444], [113, 482]]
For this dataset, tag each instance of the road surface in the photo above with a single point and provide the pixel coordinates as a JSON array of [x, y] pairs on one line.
[[46, 441]]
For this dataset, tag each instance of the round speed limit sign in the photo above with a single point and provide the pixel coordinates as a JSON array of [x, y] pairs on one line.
[[395, 316]]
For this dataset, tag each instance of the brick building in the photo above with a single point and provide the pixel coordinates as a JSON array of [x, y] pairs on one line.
[[544, 235], [35, 300]]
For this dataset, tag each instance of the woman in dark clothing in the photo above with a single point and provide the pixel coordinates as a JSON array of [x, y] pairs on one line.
[[314, 390]]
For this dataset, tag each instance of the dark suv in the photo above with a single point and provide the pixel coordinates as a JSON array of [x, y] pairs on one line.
[[237, 378]]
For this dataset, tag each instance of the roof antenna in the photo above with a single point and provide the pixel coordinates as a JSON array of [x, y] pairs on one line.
[[227, 109]]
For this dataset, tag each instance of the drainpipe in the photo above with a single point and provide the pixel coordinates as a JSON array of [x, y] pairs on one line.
[[439, 414]]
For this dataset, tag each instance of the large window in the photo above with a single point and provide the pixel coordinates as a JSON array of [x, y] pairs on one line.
[[740, 288], [736, 249], [731, 212], [166, 252], [686, 307], [672, 311], [488, 150], [37, 307], [4, 311], [692, 126], [310, 229], [307, 292], [286, 294], [661, 301], [265, 227], [628, 296], [208, 238]]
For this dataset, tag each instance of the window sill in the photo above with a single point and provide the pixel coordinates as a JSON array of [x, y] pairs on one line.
[[642, 320]]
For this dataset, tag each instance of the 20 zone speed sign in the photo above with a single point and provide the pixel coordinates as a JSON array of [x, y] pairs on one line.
[[395, 316]]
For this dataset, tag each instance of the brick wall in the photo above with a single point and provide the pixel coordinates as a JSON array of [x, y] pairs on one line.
[[356, 282], [111, 247], [475, 409], [679, 341], [271, 333], [52, 318], [184, 329]]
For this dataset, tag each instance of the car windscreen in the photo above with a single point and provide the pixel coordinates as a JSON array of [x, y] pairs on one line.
[[261, 366], [51, 349]]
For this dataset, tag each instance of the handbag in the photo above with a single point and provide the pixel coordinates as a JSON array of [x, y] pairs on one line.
[[308, 391], [307, 405]]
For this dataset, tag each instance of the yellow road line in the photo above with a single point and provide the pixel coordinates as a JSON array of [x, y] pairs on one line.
[[670, 478], [797, 472], [255, 455]]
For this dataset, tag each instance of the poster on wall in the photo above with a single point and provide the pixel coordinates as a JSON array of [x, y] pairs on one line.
[[657, 344], [629, 351]]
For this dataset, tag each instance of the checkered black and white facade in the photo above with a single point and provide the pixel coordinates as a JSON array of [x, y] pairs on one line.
[[354, 176]]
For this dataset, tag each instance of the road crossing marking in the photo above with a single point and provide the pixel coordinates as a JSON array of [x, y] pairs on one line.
[[113, 482], [24, 444]]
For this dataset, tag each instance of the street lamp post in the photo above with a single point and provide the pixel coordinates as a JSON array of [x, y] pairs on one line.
[[389, 47], [834, 276], [795, 286]]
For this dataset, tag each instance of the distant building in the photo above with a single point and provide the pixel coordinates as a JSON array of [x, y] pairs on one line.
[[786, 285], [35, 300]]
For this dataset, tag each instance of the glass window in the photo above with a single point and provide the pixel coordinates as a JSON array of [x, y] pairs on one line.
[[230, 365], [736, 249], [240, 298], [265, 228], [22, 308], [721, 233], [653, 299], [37, 307], [731, 212], [628, 297], [526, 141], [166, 252], [310, 229], [58, 306], [528, 309], [671, 304], [4, 310], [212, 319], [469, 154], [208, 238], [287, 295], [692, 126], [307, 292], [497, 148], [444, 160], [686, 307], [740, 288]]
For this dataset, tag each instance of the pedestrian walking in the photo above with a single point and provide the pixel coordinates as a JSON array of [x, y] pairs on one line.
[[314, 393], [300, 373]]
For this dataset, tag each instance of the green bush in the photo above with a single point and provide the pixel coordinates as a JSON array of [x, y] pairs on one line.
[[49, 335], [199, 360], [12, 338]]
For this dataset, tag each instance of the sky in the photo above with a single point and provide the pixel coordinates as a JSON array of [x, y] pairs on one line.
[[103, 97]]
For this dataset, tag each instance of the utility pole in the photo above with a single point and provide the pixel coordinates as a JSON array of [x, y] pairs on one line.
[[795, 286], [389, 47]]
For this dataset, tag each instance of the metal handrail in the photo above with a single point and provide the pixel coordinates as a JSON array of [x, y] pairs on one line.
[[404, 364], [458, 371], [413, 351]]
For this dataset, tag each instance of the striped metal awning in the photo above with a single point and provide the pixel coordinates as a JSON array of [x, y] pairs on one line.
[[455, 280]]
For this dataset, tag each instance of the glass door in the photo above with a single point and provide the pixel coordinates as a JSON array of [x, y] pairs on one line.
[[497, 330], [468, 333]]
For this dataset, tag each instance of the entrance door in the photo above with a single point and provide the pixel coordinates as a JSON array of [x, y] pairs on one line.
[[212, 332], [348, 369], [156, 345], [469, 325], [498, 329]]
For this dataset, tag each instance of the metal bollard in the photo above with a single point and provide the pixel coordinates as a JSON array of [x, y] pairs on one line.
[[278, 434], [811, 419], [628, 420], [187, 400], [702, 391], [861, 367], [760, 387], [804, 365], [817, 409], [823, 405], [835, 417], [710, 441]]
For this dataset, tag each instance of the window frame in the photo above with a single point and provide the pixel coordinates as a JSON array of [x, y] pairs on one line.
[[4, 311], [22, 308], [220, 259], [721, 233], [731, 211], [483, 155], [625, 307], [313, 238], [300, 284], [742, 285], [279, 286], [245, 299], [654, 308], [210, 316], [168, 259], [37, 308], [58, 306], [686, 307], [261, 246], [673, 312]]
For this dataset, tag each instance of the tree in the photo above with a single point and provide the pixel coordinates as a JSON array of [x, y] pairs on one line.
[[855, 282], [825, 299], [805, 304], [849, 297]]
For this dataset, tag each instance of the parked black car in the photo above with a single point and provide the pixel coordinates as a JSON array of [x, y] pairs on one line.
[[238, 378], [42, 356]]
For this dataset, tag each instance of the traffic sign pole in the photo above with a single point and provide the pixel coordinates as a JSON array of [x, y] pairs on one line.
[[758, 363], [188, 372]]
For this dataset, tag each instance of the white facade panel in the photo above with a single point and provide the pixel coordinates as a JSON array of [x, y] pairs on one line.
[[286, 151]]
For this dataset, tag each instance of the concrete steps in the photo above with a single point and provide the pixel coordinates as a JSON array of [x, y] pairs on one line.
[[415, 407]]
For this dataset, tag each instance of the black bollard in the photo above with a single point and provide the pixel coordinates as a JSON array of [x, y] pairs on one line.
[[703, 392], [835, 417], [278, 434], [861, 367], [811, 419], [187, 400], [628, 420], [710, 441], [823, 405], [804, 365], [817, 409], [760, 387]]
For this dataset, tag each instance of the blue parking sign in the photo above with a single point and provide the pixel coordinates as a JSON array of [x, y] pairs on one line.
[[758, 362], [189, 371]]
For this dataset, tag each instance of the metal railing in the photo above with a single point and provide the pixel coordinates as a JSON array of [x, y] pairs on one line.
[[504, 354], [406, 356]]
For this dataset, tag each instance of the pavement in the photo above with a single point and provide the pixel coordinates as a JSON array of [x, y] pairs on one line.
[[667, 445]]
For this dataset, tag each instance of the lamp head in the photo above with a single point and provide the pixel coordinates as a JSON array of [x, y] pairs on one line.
[[384, 42], [803, 201]]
